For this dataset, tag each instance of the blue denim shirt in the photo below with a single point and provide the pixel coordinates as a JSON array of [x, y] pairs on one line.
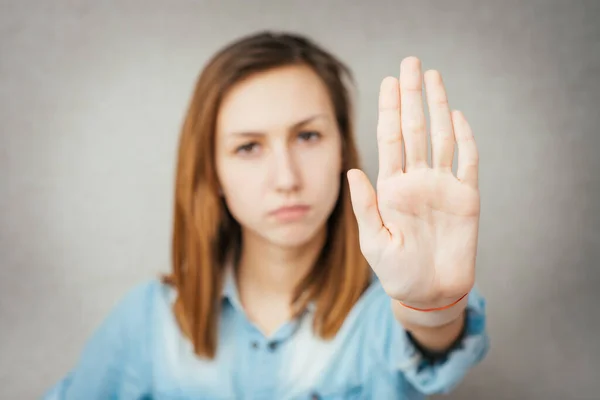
[[139, 353]]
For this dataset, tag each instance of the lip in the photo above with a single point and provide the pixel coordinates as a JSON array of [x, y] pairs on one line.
[[290, 213]]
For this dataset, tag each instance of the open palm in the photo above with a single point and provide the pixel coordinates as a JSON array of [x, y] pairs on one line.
[[419, 230]]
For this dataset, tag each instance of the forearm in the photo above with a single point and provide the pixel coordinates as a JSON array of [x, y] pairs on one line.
[[436, 331]]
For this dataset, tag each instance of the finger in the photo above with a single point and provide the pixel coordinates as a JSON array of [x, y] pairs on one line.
[[364, 204], [468, 156], [389, 136], [442, 134], [412, 114]]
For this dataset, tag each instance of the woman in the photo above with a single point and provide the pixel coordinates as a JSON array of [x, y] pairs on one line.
[[292, 277]]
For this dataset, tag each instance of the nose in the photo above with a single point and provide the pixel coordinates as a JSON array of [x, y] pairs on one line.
[[285, 171]]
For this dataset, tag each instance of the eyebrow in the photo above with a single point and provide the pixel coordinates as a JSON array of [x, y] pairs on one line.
[[291, 128]]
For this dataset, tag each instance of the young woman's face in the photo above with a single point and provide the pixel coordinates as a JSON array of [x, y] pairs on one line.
[[278, 155]]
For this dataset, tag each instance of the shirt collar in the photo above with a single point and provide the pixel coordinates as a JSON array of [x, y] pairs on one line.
[[230, 290]]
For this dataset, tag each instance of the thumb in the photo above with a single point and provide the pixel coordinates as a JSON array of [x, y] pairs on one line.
[[364, 203]]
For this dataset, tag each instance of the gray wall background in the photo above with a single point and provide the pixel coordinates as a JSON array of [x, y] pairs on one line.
[[92, 95]]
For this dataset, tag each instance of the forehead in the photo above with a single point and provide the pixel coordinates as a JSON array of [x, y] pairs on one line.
[[273, 99]]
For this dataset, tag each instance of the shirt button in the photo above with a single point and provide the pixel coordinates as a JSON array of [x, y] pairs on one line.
[[254, 345], [315, 396], [273, 346]]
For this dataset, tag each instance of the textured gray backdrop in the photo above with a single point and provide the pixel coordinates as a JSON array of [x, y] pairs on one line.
[[92, 95]]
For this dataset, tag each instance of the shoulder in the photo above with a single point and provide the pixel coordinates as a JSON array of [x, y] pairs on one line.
[[131, 328], [117, 360], [143, 294], [140, 304], [142, 291]]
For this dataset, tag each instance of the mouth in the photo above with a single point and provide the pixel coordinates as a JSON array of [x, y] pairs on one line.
[[290, 213]]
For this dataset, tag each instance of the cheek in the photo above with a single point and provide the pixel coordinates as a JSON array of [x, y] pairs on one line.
[[330, 184], [242, 187], [323, 174]]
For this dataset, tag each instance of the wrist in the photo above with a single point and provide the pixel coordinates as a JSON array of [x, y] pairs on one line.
[[432, 316], [435, 343]]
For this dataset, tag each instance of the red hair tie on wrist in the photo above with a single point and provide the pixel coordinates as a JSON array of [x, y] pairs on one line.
[[437, 308]]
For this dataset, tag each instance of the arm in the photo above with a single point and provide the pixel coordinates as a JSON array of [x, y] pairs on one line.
[[429, 372], [434, 332], [441, 356], [419, 230], [439, 339]]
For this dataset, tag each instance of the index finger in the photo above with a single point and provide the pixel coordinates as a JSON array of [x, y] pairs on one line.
[[389, 133]]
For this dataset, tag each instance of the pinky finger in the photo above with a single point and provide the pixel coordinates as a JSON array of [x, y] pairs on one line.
[[468, 156]]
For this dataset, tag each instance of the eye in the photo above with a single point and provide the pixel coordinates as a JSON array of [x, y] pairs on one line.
[[309, 136], [248, 148]]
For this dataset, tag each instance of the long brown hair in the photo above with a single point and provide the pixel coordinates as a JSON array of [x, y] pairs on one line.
[[205, 233]]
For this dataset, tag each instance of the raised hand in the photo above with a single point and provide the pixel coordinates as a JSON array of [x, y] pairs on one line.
[[419, 230]]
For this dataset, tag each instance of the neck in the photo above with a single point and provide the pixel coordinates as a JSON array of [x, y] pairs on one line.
[[272, 270]]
